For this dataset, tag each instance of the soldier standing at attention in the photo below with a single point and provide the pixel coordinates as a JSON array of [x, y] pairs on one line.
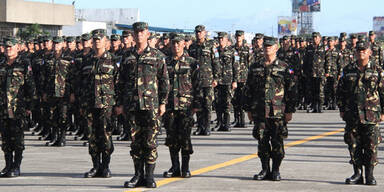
[[98, 98], [270, 101], [377, 52], [16, 94], [144, 84], [332, 63], [207, 56], [183, 101], [360, 97], [228, 76]]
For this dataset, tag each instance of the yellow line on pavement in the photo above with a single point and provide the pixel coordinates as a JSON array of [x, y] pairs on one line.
[[235, 161]]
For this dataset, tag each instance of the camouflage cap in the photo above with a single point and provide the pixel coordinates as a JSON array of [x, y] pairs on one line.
[[178, 37], [70, 39], [86, 36], [362, 45], [331, 38], [285, 38], [188, 37], [222, 34], [78, 39], [140, 26], [316, 34], [10, 41], [115, 37], [342, 39], [127, 33], [98, 33], [167, 35], [47, 38], [361, 37], [239, 32], [324, 38], [269, 41], [259, 36], [300, 39], [353, 36], [343, 34], [371, 33], [199, 28], [152, 36], [29, 40], [293, 37], [58, 39]]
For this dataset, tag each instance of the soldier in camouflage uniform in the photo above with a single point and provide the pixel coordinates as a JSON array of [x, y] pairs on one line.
[[257, 47], [377, 52], [56, 91], [207, 56], [314, 70], [244, 59], [270, 101], [183, 101], [166, 49], [332, 63], [228, 69], [360, 97], [144, 85], [346, 56], [17, 91], [301, 87], [99, 76]]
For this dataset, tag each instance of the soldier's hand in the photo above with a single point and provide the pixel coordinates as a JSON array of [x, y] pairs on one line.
[[214, 83], [342, 115], [161, 110], [250, 116], [326, 75], [288, 117], [119, 110], [28, 112], [234, 85], [382, 117], [72, 98]]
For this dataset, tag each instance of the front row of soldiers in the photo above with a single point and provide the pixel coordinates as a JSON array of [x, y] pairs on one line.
[[145, 86]]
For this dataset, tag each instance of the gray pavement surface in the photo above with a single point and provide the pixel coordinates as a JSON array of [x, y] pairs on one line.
[[317, 165]]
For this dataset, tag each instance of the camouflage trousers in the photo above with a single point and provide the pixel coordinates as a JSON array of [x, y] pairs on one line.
[[330, 89], [270, 134], [316, 88], [237, 100], [56, 115], [100, 135], [12, 135], [178, 125], [204, 115], [362, 141], [224, 97], [144, 129]]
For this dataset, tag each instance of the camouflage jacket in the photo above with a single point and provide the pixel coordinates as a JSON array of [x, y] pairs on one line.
[[80, 60], [270, 91], [245, 56], [377, 53], [360, 94], [228, 67], [98, 78], [291, 57], [166, 51], [314, 61], [17, 88], [38, 71], [332, 62], [207, 56], [57, 77], [346, 57], [257, 54], [185, 83], [144, 80]]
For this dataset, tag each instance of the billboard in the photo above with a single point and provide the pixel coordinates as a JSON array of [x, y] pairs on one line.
[[378, 24], [306, 5], [287, 26]]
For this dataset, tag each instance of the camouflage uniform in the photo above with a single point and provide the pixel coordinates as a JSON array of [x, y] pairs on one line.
[[314, 69], [360, 97], [16, 95], [228, 73], [332, 63], [346, 57], [377, 53], [99, 76], [237, 101], [269, 94], [185, 95], [207, 56]]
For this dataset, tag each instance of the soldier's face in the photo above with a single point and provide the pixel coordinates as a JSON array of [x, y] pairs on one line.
[[128, 40], [48, 45], [141, 36], [116, 44], [240, 39], [270, 50], [316, 40], [37, 47], [223, 41], [354, 41], [331, 43], [31, 46], [201, 34], [71, 45], [79, 46], [372, 37], [58, 47], [364, 54], [343, 44], [87, 43], [166, 41], [178, 47], [100, 43], [12, 51]]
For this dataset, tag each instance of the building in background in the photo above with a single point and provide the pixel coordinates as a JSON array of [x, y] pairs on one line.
[[18, 14]]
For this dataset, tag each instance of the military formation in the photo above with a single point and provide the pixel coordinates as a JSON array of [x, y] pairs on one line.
[[95, 86]]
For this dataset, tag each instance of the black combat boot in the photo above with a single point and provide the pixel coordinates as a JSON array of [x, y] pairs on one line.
[[225, 126], [15, 171], [54, 137], [242, 119], [319, 107], [105, 171], [60, 142], [149, 177], [265, 173], [8, 157], [185, 173], [276, 162], [236, 116], [357, 177], [369, 178], [94, 172], [174, 171], [219, 123], [137, 180]]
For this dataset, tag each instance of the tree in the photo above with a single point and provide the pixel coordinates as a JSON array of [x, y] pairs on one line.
[[33, 30]]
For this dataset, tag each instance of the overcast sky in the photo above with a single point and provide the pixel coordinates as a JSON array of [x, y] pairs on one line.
[[249, 15]]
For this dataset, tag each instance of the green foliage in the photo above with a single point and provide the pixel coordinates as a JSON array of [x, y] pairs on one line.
[[31, 31]]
